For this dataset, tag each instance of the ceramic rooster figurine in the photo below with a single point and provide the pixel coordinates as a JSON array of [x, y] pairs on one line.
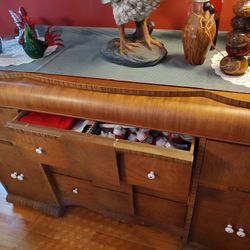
[[137, 11], [28, 38]]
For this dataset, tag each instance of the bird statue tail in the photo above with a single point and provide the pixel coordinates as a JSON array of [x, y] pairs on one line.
[[53, 37], [16, 19], [105, 1]]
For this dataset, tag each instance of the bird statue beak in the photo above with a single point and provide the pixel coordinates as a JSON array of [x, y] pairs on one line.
[[105, 1]]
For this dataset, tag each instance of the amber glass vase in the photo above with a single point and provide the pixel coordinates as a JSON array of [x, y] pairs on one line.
[[198, 33]]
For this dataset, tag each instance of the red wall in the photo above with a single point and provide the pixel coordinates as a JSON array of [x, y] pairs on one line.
[[170, 15]]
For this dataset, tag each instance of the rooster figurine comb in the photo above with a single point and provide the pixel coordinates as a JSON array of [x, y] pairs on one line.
[[139, 49], [28, 38]]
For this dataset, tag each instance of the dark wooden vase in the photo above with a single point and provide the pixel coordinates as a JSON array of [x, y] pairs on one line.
[[198, 34]]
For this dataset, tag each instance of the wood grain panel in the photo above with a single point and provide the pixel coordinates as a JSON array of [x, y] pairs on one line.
[[94, 154], [123, 87], [172, 177], [35, 185], [79, 155], [6, 115], [226, 165], [93, 197], [66, 185], [28, 138], [195, 115], [80, 228], [214, 210], [158, 211]]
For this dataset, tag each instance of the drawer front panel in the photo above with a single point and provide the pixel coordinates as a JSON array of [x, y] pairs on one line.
[[169, 176], [39, 144], [75, 191], [215, 210], [84, 193], [23, 177], [79, 155], [95, 154], [5, 115], [226, 165], [158, 211]]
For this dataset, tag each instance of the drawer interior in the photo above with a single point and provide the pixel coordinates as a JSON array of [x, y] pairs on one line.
[[133, 139], [128, 137]]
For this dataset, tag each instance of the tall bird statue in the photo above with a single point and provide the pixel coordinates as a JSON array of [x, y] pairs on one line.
[[137, 11]]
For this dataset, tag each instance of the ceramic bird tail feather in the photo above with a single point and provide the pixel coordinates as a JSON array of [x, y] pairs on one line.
[[28, 38]]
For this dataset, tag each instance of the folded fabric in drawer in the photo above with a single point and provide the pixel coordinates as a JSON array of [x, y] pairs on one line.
[[49, 120]]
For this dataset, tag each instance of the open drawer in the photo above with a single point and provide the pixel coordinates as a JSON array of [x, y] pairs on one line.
[[80, 155], [166, 170], [148, 163]]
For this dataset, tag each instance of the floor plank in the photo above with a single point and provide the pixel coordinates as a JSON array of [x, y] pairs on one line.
[[26, 229]]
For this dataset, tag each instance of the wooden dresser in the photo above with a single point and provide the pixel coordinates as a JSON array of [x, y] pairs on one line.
[[202, 194]]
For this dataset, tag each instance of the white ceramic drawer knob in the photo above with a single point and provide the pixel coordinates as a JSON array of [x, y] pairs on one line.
[[241, 233], [151, 175], [75, 191], [229, 229], [13, 175], [39, 150], [20, 177]]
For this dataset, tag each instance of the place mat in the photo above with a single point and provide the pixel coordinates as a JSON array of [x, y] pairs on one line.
[[81, 56]]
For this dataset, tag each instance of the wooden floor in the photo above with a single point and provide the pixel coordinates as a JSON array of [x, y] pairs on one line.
[[25, 229]]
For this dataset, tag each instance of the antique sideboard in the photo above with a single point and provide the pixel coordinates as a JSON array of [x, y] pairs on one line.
[[202, 194]]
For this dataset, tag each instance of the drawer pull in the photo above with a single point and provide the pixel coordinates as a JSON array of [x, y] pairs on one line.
[[13, 175], [20, 177], [151, 175], [229, 229], [241, 233], [39, 150], [75, 191]]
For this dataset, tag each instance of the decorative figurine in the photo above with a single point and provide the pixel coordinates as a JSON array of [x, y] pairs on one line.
[[139, 49], [199, 32], [238, 41], [28, 38]]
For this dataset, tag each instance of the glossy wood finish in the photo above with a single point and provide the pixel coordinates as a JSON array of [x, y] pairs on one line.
[[197, 166], [205, 114], [34, 186], [80, 228], [155, 151], [5, 115], [223, 197], [94, 154], [62, 149], [157, 211], [226, 166], [200, 113], [171, 176], [93, 197], [28, 138], [214, 211]]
